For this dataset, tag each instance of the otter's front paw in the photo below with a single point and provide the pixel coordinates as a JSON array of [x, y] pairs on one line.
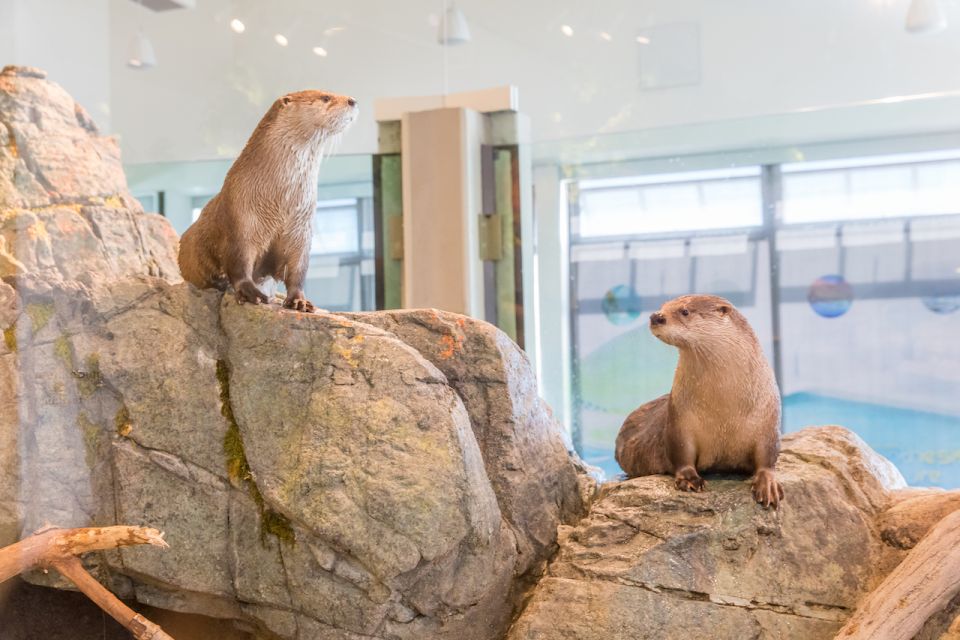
[[687, 479], [246, 291], [298, 303], [766, 490]]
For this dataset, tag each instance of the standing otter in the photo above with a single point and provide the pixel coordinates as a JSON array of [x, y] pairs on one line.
[[260, 224], [723, 412]]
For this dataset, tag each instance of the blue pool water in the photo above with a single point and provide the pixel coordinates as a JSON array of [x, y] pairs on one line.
[[924, 446]]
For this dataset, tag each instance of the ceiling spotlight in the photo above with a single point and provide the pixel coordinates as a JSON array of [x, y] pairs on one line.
[[643, 39], [237, 26], [333, 31], [926, 16], [566, 30], [281, 40], [453, 29], [605, 36], [141, 54], [320, 51]]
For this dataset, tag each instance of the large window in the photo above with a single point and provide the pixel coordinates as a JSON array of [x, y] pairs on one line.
[[341, 275], [851, 280]]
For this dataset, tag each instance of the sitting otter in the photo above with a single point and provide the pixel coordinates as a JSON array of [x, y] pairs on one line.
[[723, 412], [260, 224]]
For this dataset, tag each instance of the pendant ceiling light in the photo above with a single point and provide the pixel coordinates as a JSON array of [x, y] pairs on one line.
[[926, 16], [453, 27], [141, 54]]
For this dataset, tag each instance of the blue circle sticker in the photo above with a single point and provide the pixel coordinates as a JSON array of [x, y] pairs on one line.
[[621, 304], [942, 304], [830, 296]]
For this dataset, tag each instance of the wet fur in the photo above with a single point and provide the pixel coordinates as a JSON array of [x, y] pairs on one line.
[[260, 224], [722, 413]]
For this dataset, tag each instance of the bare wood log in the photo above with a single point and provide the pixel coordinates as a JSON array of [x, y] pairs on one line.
[[59, 549], [923, 584]]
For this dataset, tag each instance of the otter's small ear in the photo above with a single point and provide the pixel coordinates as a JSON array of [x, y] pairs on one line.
[[723, 309], [285, 100]]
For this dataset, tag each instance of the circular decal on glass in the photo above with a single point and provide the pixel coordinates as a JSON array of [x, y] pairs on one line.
[[830, 296], [942, 304], [621, 304]]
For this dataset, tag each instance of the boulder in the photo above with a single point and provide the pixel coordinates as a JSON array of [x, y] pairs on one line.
[[310, 471], [650, 562], [51, 152], [529, 467], [913, 512]]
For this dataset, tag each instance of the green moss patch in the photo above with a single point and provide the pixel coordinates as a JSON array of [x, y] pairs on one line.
[[61, 349], [91, 438], [40, 315], [122, 421], [90, 379], [10, 337], [238, 469]]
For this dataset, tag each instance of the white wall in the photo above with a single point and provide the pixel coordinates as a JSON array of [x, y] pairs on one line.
[[758, 58], [70, 39]]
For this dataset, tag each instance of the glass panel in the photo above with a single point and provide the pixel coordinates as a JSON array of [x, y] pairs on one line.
[[710, 200], [336, 227], [862, 189]]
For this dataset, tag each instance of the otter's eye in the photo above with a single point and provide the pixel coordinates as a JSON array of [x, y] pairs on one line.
[[324, 98], [684, 312]]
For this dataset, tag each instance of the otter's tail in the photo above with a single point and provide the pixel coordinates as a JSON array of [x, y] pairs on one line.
[[641, 445], [193, 260]]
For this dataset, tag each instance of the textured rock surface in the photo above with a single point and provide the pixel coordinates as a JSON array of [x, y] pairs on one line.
[[528, 467], [912, 514], [649, 562], [358, 501], [65, 212], [50, 150]]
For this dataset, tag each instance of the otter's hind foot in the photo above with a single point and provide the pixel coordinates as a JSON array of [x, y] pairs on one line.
[[766, 490], [220, 283], [246, 291], [298, 303], [687, 479]]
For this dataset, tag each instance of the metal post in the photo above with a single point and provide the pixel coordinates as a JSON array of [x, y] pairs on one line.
[[772, 193]]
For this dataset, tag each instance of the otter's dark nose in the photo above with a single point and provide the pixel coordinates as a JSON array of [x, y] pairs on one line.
[[351, 102], [657, 318]]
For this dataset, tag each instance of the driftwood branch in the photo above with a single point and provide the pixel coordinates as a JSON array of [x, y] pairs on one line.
[[923, 584], [59, 549]]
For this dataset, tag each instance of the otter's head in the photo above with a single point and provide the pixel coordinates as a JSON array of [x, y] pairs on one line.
[[317, 112], [697, 321]]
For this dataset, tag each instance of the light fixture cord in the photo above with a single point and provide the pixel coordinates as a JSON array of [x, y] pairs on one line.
[[444, 45]]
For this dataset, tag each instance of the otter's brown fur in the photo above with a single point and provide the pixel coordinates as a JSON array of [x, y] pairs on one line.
[[723, 412], [260, 224]]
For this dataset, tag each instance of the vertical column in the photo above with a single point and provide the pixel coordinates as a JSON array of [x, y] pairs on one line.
[[388, 217], [442, 200]]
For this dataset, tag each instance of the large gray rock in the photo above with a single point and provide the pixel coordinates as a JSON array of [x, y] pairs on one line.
[[50, 150], [650, 562], [65, 212], [529, 468], [316, 476], [310, 471]]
